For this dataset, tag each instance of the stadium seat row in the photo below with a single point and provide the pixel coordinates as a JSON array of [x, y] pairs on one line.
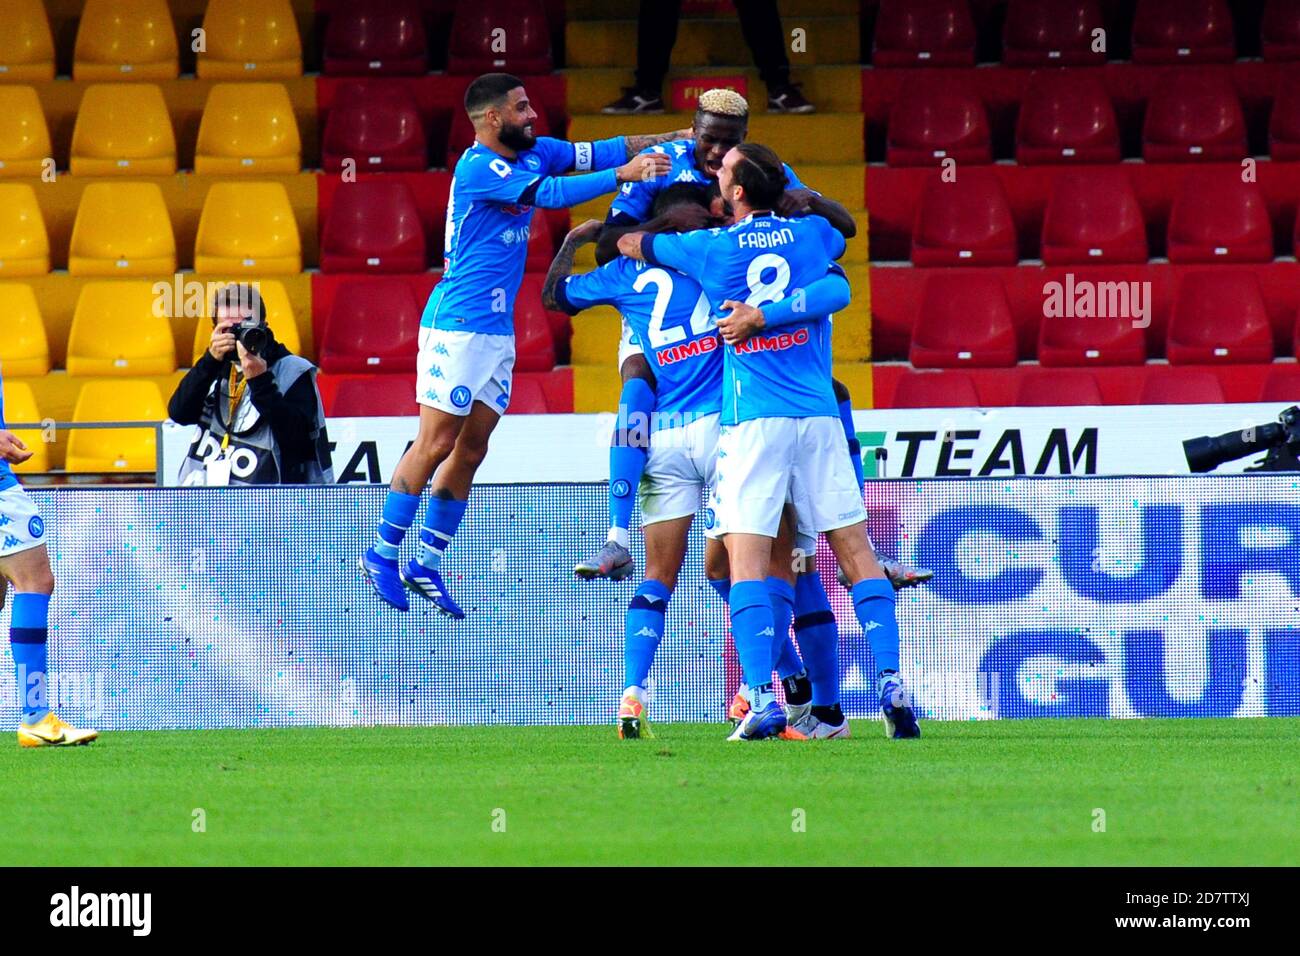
[[94, 450], [1217, 317], [1027, 385], [259, 39], [1061, 32], [1068, 117], [1093, 216]]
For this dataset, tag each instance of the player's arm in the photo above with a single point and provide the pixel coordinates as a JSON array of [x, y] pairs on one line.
[[828, 294], [12, 448], [562, 266], [685, 252], [805, 202], [636, 143], [497, 181]]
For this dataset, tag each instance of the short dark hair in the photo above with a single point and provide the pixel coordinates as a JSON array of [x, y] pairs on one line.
[[761, 174], [490, 89], [238, 296], [678, 194]]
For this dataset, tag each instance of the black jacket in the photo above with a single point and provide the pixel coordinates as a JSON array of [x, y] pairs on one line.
[[292, 416]]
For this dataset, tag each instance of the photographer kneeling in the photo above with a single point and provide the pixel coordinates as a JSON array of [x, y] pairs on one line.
[[256, 403]]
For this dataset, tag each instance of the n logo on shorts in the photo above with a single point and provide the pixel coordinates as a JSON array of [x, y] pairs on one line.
[[460, 396], [36, 527]]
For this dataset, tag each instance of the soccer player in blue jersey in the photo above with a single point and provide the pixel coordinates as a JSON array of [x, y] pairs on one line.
[[670, 313], [780, 435], [467, 344], [25, 562], [721, 122]]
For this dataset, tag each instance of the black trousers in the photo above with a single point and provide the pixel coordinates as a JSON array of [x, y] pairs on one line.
[[657, 32]]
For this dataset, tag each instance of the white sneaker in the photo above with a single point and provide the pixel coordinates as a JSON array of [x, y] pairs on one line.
[[815, 729]]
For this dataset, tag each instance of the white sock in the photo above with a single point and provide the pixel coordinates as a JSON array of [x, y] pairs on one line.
[[620, 537]]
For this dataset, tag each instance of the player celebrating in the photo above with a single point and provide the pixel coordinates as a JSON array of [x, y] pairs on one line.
[[467, 345], [25, 562], [721, 122], [669, 312], [780, 432]]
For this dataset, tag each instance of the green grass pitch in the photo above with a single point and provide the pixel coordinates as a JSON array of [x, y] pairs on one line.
[[1004, 792]]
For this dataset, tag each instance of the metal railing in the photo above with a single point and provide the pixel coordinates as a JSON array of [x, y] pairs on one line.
[[90, 426]]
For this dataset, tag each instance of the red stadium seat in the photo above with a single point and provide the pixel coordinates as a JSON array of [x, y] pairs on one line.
[[935, 390], [534, 341], [378, 126], [1281, 385], [373, 326], [1284, 119], [964, 321], [1180, 386], [924, 33], [1279, 30], [1066, 117], [932, 120], [1194, 117], [1051, 33], [460, 136], [374, 226], [377, 38], [373, 396], [1218, 316], [1093, 216], [527, 396], [480, 43], [1109, 340], [967, 222], [1217, 218], [1058, 388], [1183, 31]]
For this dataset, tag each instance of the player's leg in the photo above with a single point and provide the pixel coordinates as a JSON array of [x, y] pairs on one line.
[[628, 450], [818, 634], [789, 554], [900, 575], [33, 584], [437, 435], [448, 500]]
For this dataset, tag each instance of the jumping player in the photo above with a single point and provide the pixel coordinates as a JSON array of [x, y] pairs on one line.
[[467, 344]]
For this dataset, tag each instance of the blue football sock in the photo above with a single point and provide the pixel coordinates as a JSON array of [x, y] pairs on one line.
[[643, 630], [819, 638], [752, 628], [628, 450], [399, 512], [783, 652], [440, 524], [873, 602], [722, 587], [851, 433], [28, 633]]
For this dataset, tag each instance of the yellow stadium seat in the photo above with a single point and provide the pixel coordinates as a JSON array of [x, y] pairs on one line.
[[24, 136], [250, 40], [248, 128], [115, 331], [247, 228], [20, 406], [125, 40], [279, 316], [26, 44], [122, 229], [24, 244], [24, 349], [123, 129], [116, 449]]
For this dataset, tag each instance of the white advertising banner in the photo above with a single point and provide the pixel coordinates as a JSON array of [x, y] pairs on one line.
[[917, 443]]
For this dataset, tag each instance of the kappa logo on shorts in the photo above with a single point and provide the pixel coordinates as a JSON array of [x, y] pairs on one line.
[[710, 519], [620, 489], [460, 396], [36, 527]]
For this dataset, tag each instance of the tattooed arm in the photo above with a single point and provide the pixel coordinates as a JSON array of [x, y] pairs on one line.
[[562, 267], [637, 143]]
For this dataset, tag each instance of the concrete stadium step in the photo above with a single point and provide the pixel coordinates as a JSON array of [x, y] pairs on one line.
[[596, 387], [833, 89], [627, 9], [713, 42], [823, 138]]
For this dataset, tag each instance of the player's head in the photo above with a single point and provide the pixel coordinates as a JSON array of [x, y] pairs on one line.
[[499, 107], [721, 122], [236, 302], [681, 194], [752, 177]]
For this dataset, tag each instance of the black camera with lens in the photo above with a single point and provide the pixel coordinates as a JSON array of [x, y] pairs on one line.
[[252, 335], [1280, 440]]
